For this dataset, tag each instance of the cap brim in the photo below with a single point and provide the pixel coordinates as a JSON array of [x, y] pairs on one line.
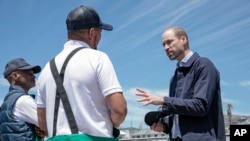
[[106, 27], [36, 69]]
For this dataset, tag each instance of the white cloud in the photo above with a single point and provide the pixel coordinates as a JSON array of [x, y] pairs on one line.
[[225, 83], [4, 86], [245, 83], [3, 82], [227, 100]]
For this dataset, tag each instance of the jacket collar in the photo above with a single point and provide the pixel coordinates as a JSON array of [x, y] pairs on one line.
[[190, 60]]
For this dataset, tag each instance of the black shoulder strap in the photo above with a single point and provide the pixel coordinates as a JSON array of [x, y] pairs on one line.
[[61, 93]]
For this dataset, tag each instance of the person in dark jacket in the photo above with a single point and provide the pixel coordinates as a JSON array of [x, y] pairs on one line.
[[18, 116], [194, 107]]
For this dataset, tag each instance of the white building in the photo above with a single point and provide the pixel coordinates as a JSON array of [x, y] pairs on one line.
[[137, 134]]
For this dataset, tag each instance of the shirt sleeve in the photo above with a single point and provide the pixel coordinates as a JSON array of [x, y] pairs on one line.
[[25, 109], [41, 91], [108, 80]]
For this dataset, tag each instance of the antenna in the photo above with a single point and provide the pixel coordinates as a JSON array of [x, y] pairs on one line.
[[229, 113]]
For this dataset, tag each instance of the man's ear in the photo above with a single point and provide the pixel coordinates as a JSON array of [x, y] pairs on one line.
[[184, 39], [91, 33], [14, 75]]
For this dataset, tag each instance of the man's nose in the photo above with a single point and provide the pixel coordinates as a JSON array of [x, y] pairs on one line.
[[166, 47]]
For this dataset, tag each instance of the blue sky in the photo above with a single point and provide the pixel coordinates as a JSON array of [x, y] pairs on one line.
[[219, 30]]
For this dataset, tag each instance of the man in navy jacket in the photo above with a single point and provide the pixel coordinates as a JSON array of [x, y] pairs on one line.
[[194, 106]]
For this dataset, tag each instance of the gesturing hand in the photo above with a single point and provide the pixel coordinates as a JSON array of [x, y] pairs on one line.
[[148, 98]]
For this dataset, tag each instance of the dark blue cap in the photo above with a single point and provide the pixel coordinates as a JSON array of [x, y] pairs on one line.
[[19, 64], [84, 17]]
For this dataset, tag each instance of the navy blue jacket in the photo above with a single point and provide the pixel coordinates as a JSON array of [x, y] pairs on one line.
[[195, 96], [11, 128]]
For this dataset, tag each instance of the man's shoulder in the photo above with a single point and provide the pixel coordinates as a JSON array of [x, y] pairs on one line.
[[204, 64], [201, 60]]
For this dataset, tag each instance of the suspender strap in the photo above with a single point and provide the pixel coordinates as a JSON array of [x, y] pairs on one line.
[[61, 94]]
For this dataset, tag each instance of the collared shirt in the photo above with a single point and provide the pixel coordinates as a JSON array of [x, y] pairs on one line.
[[185, 59], [176, 129], [25, 107], [89, 77]]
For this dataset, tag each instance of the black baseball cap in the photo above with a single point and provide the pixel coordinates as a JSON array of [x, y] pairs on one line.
[[19, 64], [85, 17]]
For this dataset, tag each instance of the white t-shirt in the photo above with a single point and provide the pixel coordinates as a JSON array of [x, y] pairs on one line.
[[89, 78], [25, 109]]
